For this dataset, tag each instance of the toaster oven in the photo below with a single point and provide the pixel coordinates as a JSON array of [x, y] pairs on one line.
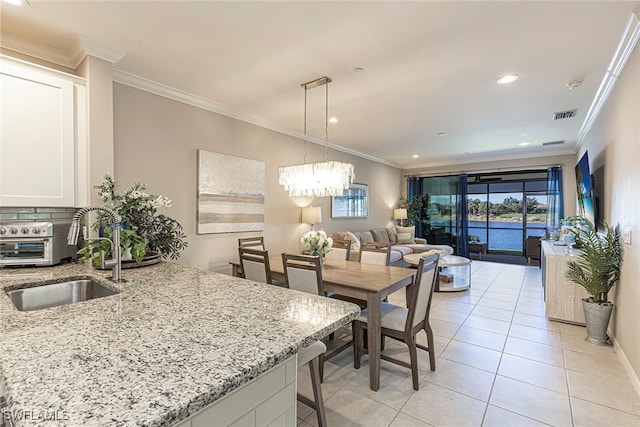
[[34, 244]]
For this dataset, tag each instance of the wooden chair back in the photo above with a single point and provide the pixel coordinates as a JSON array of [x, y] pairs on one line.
[[341, 249], [252, 243], [303, 273], [375, 253], [255, 265], [421, 292]]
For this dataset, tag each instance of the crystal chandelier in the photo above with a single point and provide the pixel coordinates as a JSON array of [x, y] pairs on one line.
[[322, 179]]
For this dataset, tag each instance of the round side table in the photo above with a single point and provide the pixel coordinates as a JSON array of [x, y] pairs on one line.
[[454, 261]]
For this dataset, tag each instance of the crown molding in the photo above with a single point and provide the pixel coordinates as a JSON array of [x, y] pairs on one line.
[[37, 50], [70, 58], [625, 48], [159, 89], [98, 50]]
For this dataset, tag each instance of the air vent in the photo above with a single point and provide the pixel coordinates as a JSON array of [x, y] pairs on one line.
[[552, 143], [564, 114]]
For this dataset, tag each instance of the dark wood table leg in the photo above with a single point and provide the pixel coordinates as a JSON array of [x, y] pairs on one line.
[[373, 339]]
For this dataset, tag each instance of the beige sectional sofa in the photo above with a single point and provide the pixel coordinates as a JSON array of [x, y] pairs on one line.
[[402, 242]]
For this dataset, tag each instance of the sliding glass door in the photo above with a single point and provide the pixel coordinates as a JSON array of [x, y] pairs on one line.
[[504, 214]]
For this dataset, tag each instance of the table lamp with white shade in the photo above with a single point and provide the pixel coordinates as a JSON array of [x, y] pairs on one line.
[[400, 214], [312, 215]]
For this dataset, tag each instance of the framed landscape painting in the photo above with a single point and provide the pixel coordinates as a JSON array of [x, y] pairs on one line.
[[354, 203], [230, 194]]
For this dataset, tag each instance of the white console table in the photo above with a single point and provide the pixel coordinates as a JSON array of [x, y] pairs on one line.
[[562, 297]]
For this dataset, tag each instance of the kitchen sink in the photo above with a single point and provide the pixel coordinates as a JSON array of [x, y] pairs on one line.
[[56, 294]]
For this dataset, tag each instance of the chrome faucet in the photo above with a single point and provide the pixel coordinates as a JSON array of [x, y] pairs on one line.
[[74, 232]]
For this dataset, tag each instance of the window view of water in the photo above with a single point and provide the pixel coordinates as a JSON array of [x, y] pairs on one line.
[[503, 213], [504, 235]]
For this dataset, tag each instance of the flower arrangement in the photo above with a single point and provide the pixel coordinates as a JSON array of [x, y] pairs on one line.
[[317, 242], [139, 212]]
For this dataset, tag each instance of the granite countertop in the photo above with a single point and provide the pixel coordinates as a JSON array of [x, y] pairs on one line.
[[172, 341]]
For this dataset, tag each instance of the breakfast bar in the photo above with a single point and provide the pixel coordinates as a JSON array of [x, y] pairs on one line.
[[171, 342]]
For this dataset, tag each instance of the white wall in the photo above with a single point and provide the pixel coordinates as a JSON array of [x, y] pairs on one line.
[[156, 142], [614, 141]]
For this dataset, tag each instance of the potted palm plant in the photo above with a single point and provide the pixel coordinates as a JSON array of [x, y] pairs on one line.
[[597, 270]]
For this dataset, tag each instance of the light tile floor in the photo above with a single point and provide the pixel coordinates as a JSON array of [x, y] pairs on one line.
[[500, 362]]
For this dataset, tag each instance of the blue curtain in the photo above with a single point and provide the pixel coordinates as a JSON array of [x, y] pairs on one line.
[[414, 188], [555, 210], [462, 221]]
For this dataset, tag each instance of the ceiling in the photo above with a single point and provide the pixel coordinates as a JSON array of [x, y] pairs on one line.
[[428, 67]]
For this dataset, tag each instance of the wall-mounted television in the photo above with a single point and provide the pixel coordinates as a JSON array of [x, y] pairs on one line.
[[597, 191], [584, 190]]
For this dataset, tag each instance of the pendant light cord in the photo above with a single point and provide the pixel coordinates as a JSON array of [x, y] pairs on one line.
[[326, 120], [305, 124]]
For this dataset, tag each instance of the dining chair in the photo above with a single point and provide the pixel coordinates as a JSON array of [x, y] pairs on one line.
[[402, 323], [252, 243], [311, 355], [255, 265], [375, 253], [341, 249], [304, 273]]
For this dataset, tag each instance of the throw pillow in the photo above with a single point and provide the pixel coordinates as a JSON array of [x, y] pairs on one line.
[[339, 235], [366, 236], [405, 239], [380, 235], [393, 235], [411, 230], [355, 243]]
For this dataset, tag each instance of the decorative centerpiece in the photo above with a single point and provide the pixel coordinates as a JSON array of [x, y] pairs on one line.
[[146, 234], [317, 242]]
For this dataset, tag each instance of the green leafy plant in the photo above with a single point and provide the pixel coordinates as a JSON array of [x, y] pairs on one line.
[[129, 239], [597, 268], [418, 209], [139, 212]]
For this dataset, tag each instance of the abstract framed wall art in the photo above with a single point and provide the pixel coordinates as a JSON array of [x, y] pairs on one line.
[[354, 203], [230, 193]]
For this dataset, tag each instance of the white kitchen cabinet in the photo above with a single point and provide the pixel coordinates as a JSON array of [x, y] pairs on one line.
[[43, 135], [268, 400]]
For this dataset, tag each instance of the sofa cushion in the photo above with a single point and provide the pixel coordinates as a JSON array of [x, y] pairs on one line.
[[411, 230], [404, 250], [395, 257], [355, 241], [418, 248], [380, 235], [393, 235], [366, 236], [405, 238]]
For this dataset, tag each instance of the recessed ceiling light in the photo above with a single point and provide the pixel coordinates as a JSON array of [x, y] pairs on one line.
[[508, 78], [523, 143], [415, 156], [333, 120], [17, 2], [442, 134], [358, 69]]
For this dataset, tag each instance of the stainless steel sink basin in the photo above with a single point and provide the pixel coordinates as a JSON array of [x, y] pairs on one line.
[[55, 294]]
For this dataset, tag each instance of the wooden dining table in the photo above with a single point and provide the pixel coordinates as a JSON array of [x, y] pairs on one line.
[[368, 282]]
